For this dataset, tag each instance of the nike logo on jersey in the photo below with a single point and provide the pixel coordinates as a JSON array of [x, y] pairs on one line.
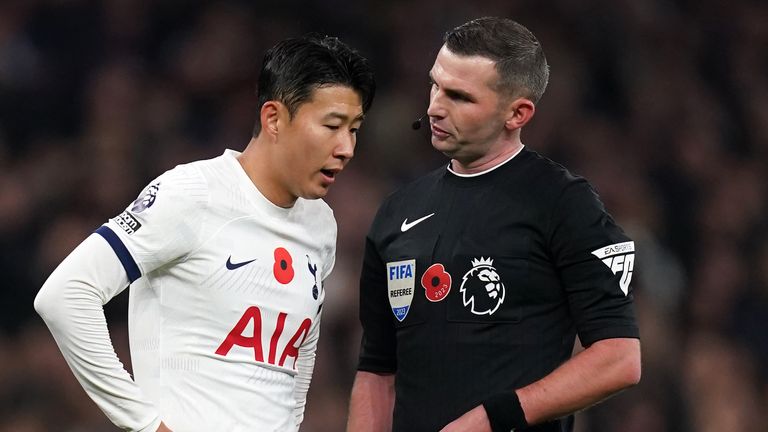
[[233, 266], [408, 225]]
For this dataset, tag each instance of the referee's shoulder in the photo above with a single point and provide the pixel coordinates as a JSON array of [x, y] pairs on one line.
[[409, 194], [415, 188], [550, 174]]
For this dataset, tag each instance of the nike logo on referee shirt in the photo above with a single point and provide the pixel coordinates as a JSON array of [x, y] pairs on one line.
[[232, 266], [408, 225]]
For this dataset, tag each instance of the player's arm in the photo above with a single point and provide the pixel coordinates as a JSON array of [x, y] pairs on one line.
[[305, 362], [147, 235], [71, 304], [372, 401], [305, 365]]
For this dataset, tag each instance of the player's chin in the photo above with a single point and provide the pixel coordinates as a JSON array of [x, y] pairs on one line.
[[317, 191]]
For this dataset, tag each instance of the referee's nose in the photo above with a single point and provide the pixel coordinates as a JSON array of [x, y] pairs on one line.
[[436, 107]]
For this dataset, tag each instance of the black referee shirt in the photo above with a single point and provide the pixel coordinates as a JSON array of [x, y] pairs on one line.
[[475, 285]]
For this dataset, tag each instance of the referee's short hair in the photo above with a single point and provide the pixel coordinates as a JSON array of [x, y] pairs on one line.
[[520, 61], [294, 67]]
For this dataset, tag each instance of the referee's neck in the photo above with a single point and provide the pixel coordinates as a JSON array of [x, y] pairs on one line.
[[483, 165]]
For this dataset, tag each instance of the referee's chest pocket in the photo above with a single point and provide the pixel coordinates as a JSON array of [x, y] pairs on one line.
[[489, 285], [407, 259]]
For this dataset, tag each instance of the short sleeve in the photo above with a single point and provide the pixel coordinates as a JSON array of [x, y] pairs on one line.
[[595, 260], [162, 225]]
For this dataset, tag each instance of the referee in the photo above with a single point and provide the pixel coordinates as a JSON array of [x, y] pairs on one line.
[[478, 276]]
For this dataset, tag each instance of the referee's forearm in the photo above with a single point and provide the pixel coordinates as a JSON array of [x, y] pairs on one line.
[[371, 404], [605, 368]]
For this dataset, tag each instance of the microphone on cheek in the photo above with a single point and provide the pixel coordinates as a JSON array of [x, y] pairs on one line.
[[416, 125]]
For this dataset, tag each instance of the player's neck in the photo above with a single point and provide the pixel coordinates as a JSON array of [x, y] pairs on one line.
[[261, 170]]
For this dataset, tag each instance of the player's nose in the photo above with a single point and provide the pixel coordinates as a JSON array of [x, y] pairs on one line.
[[345, 148]]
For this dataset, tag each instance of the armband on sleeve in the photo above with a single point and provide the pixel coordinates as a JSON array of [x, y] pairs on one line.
[[505, 412]]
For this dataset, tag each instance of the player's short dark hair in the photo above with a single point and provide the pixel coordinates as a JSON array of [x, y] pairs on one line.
[[294, 67], [520, 61]]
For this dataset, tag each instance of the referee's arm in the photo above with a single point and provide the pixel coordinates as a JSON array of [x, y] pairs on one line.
[[372, 401], [373, 393], [604, 368]]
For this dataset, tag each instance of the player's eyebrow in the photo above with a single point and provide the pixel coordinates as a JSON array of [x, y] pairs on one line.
[[343, 117]]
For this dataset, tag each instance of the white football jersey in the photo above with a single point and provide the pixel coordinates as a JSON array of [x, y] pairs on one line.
[[225, 297]]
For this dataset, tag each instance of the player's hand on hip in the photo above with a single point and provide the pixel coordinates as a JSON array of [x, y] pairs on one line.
[[475, 420], [163, 428]]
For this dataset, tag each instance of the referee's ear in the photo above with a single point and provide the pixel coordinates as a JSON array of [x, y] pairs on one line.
[[520, 111]]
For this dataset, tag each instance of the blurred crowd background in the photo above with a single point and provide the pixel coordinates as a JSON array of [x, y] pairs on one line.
[[662, 105]]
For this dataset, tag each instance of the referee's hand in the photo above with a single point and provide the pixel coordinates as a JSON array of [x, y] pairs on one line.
[[475, 420]]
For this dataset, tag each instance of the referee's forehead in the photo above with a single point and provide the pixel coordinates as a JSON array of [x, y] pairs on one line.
[[471, 73]]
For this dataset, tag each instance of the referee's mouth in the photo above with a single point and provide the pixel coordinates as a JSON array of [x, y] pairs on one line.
[[439, 133]]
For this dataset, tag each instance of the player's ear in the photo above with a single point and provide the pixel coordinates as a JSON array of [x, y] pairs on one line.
[[519, 112], [270, 117]]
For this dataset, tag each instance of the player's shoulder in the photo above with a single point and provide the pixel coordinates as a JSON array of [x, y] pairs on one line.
[[216, 177], [181, 187], [211, 171]]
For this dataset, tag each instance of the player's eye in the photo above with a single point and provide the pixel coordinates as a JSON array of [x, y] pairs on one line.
[[332, 127]]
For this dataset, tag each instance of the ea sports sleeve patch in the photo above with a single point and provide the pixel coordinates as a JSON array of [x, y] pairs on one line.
[[619, 258]]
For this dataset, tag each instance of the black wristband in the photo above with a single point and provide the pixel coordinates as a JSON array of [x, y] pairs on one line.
[[504, 412]]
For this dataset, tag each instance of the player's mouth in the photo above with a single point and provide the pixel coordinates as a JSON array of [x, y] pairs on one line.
[[329, 175]]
